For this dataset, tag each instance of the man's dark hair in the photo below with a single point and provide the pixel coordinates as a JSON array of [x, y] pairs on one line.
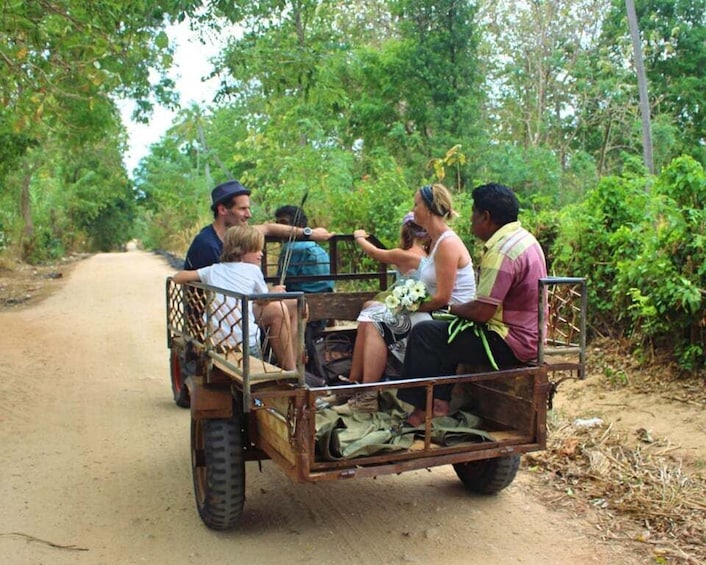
[[292, 214], [498, 200]]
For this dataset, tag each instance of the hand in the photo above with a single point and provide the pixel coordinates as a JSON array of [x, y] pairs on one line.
[[321, 234], [279, 288], [360, 234]]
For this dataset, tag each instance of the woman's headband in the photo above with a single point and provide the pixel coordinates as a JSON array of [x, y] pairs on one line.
[[428, 196]]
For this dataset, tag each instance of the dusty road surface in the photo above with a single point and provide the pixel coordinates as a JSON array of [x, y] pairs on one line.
[[94, 460]]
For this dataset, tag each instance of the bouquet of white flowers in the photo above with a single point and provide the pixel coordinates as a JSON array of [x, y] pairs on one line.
[[406, 296], [393, 311]]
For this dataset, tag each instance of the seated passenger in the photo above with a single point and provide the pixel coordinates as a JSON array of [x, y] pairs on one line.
[[239, 271], [505, 305], [301, 258], [447, 273]]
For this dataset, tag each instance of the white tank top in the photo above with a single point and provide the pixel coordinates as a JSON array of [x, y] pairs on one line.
[[465, 286]]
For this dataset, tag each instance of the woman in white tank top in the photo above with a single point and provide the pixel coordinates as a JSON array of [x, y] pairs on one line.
[[448, 275]]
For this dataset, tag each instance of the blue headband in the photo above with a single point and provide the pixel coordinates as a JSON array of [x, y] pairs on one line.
[[428, 197]]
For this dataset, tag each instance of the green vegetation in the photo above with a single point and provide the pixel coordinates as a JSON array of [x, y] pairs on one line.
[[359, 103]]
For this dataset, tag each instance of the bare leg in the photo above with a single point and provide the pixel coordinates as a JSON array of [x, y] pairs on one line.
[[291, 305], [356, 373], [374, 355], [369, 355], [276, 317], [418, 415]]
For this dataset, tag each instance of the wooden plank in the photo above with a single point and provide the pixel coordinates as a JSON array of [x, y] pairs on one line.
[[208, 403], [272, 430], [342, 326], [256, 365], [260, 371], [337, 305], [507, 410]]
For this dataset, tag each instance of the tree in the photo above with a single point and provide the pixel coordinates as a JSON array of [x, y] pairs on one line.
[[62, 61], [674, 48], [642, 86]]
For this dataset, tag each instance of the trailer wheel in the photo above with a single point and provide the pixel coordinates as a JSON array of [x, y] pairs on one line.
[[177, 376], [218, 467], [488, 476]]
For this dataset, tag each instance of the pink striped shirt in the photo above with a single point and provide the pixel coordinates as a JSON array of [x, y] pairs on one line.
[[510, 268]]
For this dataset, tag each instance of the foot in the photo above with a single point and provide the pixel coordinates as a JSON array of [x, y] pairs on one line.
[[336, 398], [418, 415], [416, 418], [440, 408], [366, 402]]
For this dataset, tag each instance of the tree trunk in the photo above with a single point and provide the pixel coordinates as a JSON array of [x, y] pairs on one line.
[[642, 86], [27, 237]]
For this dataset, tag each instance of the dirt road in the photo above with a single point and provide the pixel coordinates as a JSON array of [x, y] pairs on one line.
[[95, 460]]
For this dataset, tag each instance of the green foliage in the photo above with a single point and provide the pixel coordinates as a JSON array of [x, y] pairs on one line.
[[665, 280], [530, 171], [597, 233], [643, 254], [62, 63], [673, 36], [356, 105]]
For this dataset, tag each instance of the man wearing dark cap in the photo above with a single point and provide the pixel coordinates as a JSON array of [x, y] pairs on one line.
[[230, 202]]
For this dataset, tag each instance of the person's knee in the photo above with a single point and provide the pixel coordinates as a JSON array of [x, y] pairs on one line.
[[273, 311], [429, 331]]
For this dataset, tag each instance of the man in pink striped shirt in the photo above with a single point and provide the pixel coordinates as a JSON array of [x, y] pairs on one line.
[[505, 305]]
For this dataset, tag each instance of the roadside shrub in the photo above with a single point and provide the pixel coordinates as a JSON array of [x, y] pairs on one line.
[[594, 235], [660, 289]]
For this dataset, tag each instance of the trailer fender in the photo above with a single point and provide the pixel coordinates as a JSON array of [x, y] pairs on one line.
[[209, 403]]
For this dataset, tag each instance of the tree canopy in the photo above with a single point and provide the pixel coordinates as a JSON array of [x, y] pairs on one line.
[[357, 104]]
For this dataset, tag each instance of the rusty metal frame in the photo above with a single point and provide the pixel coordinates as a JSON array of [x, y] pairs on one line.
[[299, 417], [308, 469]]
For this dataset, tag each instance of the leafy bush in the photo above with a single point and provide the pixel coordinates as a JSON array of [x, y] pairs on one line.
[[594, 236], [663, 284], [642, 250]]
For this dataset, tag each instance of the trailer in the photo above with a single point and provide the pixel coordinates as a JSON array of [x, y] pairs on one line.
[[244, 408]]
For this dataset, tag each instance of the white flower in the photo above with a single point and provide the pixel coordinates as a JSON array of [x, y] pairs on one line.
[[406, 295], [392, 302]]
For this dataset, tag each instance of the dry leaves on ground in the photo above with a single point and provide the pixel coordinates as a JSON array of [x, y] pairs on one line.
[[633, 487]]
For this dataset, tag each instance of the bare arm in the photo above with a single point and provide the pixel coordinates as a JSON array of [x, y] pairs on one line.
[[284, 231], [404, 259], [474, 310], [186, 276]]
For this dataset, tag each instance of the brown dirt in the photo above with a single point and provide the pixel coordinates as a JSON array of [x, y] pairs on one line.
[[94, 466]]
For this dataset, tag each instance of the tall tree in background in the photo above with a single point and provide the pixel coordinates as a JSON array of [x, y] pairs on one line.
[[439, 86], [535, 56], [61, 62], [674, 48], [642, 86]]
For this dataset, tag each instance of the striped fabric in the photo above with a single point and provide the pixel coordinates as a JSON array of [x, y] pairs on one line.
[[511, 265]]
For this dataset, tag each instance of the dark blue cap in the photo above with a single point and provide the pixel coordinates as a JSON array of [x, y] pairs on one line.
[[225, 191]]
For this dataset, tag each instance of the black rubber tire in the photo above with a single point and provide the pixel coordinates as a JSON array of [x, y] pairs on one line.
[[218, 467], [488, 476], [178, 376]]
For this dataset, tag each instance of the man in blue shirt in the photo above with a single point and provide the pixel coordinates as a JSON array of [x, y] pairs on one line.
[[230, 203], [304, 257]]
